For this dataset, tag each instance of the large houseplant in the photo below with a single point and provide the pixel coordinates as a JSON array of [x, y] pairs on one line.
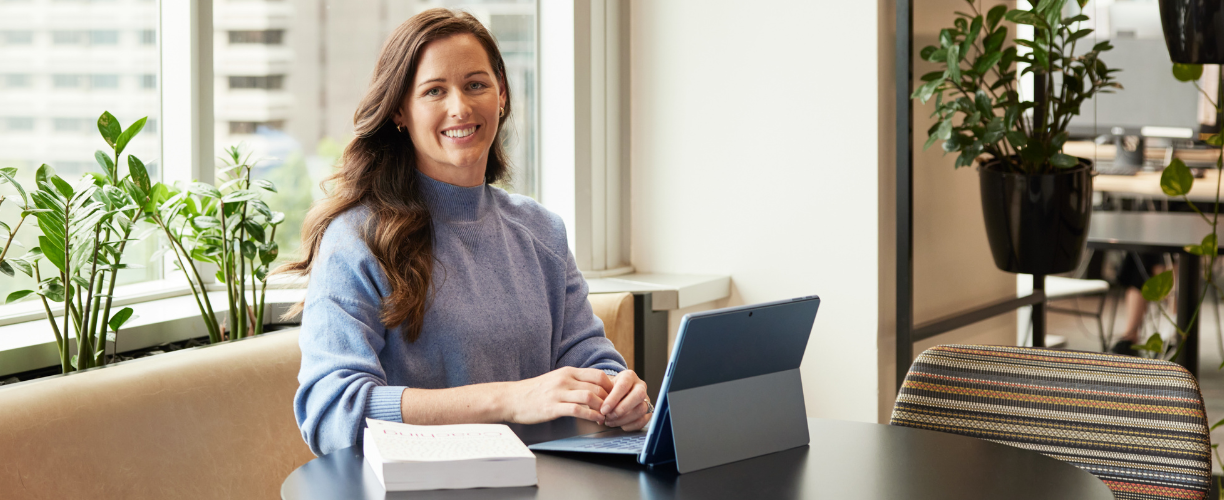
[[1035, 199]]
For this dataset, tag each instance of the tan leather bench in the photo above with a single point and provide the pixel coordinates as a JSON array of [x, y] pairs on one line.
[[214, 422]]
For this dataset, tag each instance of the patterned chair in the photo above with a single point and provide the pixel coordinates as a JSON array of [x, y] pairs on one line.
[[1137, 424]]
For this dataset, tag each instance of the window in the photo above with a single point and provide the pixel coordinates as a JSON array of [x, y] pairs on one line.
[[52, 93], [70, 124], [62, 81], [104, 81], [15, 81], [237, 128], [265, 82], [299, 131], [68, 37], [265, 37], [103, 37], [16, 37], [148, 37], [17, 123]]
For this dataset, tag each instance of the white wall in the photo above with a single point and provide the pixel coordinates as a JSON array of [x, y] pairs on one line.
[[755, 154]]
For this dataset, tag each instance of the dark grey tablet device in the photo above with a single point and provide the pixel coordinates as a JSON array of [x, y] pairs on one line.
[[732, 391]]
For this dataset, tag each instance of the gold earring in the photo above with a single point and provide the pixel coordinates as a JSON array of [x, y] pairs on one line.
[[399, 128], [501, 112]]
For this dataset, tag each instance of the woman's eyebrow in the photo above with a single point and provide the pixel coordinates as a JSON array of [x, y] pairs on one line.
[[469, 75]]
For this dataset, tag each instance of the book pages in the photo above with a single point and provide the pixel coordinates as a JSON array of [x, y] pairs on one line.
[[440, 443]]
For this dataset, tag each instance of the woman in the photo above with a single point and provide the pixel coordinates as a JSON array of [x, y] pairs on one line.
[[434, 297]]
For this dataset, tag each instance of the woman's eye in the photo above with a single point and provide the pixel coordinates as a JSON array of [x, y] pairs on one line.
[[434, 92], [476, 85]]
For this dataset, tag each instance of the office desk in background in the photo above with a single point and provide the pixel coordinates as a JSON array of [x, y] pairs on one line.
[[845, 461]]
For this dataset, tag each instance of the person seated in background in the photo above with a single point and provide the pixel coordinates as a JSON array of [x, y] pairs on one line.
[[1136, 268], [435, 297]]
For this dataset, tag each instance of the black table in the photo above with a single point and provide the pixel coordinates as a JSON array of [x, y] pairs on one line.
[[1161, 232], [846, 461]]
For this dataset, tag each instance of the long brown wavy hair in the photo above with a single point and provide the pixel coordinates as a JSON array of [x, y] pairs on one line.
[[378, 170]]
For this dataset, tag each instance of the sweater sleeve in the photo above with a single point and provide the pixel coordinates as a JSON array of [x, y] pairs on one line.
[[583, 343], [341, 379]]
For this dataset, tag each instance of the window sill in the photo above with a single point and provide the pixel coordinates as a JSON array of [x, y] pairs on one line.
[[668, 291], [30, 345]]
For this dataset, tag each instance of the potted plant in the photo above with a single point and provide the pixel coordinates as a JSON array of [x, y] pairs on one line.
[[1036, 200], [1192, 30]]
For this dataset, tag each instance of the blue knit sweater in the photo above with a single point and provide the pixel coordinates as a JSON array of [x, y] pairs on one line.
[[506, 303]]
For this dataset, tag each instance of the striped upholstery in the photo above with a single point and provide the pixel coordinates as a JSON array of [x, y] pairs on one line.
[[1137, 424]]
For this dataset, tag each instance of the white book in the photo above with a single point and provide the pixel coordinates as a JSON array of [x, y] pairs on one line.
[[435, 457]]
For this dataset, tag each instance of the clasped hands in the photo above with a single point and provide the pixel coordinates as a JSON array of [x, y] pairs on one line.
[[585, 393]]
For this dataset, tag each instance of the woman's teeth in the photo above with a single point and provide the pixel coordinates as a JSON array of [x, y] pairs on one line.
[[459, 133]]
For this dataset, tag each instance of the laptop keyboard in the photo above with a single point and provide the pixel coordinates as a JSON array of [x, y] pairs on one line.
[[621, 443]]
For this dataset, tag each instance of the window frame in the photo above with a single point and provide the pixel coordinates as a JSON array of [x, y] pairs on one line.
[[580, 177]]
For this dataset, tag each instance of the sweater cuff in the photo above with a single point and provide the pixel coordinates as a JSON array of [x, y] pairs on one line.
[[611, 372], [383, 403]]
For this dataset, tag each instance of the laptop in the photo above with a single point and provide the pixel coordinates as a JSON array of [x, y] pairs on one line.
[[732, 391]]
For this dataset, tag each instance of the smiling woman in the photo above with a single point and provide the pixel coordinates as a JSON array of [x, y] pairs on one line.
[[435, 297]]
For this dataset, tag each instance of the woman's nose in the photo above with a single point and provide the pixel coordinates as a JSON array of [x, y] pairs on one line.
[[459, 105]]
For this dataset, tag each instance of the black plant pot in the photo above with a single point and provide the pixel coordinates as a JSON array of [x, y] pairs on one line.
[[1194, 30], [1037, 224]]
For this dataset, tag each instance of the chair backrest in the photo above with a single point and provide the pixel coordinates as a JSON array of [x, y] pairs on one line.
[[1137, 424], [213, 422]]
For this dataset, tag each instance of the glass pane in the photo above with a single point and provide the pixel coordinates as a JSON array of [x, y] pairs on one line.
[[63, 63], [289, 75]]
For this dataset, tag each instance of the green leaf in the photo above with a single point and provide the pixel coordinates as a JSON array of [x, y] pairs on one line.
[[8, 174], [1025, 17], [1063, 161], [1154, 344], [204, 189], [53, 251], [996, 13], [954, 57], [268, 253], [127, 135], [924, 92], [264, 184], [52, 289], [108, 125], [1176, 179], [1016, 138], [1158, 287], [140, 175], [248, 250], [261, 273], [254, 230], [6, 268], [120, 318], [104, 161], [926, 52], [62, 186], [18, 295], [279, 217], [943, 131], [205, 222], [43, 174], [1187, 72], [1216, 140], [1082, 3], [1209, 246], [23, 266]]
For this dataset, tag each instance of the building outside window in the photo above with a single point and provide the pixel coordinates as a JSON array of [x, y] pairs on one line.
[[319, 56], [58, 73]]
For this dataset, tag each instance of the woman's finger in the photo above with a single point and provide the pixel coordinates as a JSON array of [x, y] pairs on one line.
[[631, 404], [593, 376], [583, 398], [623, 384], [579, 411], [638, 424]]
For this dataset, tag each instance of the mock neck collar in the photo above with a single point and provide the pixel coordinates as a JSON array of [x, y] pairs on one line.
[[448, 202]]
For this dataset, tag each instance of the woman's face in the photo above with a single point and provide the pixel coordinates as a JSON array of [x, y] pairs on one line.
[[451, 110]]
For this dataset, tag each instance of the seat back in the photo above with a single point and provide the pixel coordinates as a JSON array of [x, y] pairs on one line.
[[212, 422], [1137, 424]]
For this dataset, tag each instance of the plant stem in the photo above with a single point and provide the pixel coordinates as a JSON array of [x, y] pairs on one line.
[[59, 339], [90, 324]]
